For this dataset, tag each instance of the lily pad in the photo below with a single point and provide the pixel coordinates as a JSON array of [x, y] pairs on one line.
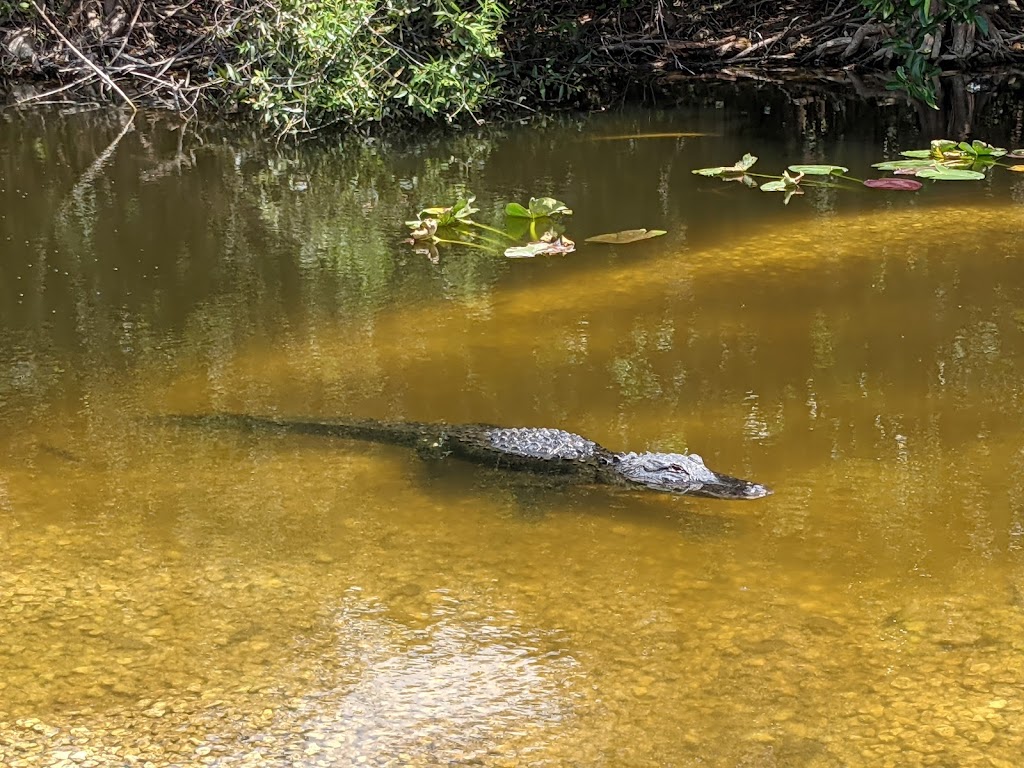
[[453, 214], [941, 173], [1015, 153], [903, 185], [626, 236], [818, 170], [539, 208], [739, 168], [788, 184], [900, 165], [981, 149], [550, 244]]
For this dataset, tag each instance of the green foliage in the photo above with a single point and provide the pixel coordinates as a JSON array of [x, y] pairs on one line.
[[361, 61], [454, 225], [539, 208], [916, 24], [947, 160], [10, 9]]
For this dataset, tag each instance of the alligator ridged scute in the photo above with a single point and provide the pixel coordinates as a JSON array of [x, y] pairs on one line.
[[542, 443]]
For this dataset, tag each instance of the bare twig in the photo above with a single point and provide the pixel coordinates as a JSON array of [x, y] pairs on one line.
[[128, 33], [102, 75], [38, 96]]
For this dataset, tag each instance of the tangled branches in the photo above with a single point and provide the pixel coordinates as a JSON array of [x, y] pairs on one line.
[[153, 52], [306, 65]]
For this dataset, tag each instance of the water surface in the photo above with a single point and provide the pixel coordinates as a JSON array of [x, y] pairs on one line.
[[186, 596]]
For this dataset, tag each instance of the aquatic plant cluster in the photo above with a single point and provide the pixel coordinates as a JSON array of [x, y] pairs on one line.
[[944, 160], [539, 221]]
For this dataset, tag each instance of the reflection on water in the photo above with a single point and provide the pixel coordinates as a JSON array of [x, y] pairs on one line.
[[183, 596]]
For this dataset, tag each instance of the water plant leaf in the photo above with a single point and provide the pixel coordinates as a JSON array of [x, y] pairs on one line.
[[1015, 153], [516, 211], [897, 165], [942, 173], [540, 207], [739, 169], [981, 149], [626, 236], [903, 185], [548, 206], [1016, 168], [941, 146], [818, 170], [946, 149], [788, 184], [550, 244], [452, 214]]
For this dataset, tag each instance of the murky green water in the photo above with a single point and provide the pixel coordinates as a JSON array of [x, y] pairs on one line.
[[189, 597]]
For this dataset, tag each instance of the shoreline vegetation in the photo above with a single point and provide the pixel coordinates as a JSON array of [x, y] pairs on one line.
[[301, 67]]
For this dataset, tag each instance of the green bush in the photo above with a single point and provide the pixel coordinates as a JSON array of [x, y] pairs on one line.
[[915, 24], [361, 61]]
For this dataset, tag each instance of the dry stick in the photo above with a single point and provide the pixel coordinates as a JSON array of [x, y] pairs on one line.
[[103, 76], [135, 18], [81, 81], [758, 46]]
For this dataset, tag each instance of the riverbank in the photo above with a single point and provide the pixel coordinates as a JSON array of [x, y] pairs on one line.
[[282, 60]]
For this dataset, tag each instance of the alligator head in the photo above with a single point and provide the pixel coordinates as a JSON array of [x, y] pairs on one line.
[[684, 474]]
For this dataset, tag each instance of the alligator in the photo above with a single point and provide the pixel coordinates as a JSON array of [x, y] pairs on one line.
[[540, 450]]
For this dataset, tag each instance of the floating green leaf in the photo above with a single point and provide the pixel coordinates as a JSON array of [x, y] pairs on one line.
[[739, 168], [818, 170], [942, 173], [540, 207], [788, 184], [626, 236], [453, 214], [981, 149], [897, 165], [516, 211], [946, 150]]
